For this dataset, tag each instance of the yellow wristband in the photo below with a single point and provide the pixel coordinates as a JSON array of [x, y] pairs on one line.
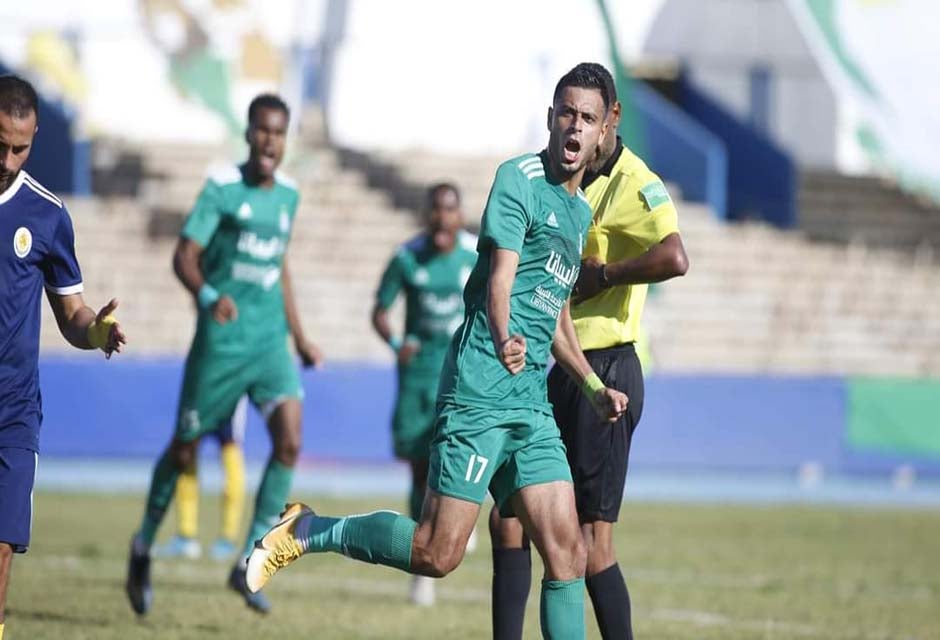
[[592, 384], [98, 332]]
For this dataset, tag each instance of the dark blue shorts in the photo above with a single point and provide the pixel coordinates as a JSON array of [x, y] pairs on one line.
[[17, 473]]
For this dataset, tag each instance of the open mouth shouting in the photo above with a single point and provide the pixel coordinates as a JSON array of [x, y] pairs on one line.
[[572, 151], [267, 160]]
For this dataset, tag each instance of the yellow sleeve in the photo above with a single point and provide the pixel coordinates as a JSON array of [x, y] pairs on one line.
[[646, 213]]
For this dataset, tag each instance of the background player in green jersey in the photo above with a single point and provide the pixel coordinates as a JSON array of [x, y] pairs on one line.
[[432, 269], [494, 427], [232, 257]]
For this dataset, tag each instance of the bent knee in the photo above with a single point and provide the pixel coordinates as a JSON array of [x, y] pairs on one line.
[[437, 561], [183, 454], [442, 564], [287, 451]]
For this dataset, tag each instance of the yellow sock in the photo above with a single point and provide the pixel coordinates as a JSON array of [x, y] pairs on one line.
[[187, 502], [233, 494], [1, 631]]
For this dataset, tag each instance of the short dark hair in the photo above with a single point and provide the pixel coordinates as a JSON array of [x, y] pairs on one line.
[[588, 75], [608, 79], [17, 97], [266, 101], [436, 188]]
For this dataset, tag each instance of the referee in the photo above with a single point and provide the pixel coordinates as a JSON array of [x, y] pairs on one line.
[[633, 240]]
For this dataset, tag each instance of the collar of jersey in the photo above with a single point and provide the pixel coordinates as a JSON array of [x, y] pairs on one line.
[[607, 168], [13, 188]]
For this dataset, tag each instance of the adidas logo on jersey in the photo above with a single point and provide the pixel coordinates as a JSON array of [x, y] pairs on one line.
[[552, 220], [244, 211]]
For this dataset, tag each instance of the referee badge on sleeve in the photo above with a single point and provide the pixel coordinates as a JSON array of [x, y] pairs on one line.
[[22, 242], [654, 194]]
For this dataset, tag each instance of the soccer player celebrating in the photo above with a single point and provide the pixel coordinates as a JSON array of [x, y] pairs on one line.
[[494, 427], [232, 257], [432, 269], [633, 240], [37, 250]]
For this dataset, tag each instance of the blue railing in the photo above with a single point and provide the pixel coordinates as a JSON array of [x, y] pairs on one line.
[[683, 151], [761, 176]]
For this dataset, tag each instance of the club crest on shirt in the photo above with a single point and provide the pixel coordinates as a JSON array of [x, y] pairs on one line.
[[22, 242]]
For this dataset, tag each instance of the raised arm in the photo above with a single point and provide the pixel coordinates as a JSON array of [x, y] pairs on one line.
[[85, 329], [609, 403], [510, 349], [309, 353]]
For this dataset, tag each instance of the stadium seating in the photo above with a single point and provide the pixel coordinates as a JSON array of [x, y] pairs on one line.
[[877, 212], [757, 300], [345, 234]]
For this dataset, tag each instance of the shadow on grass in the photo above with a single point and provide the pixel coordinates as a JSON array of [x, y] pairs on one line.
[[57, 616]]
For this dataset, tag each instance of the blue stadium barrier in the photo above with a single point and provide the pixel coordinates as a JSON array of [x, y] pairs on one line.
[[761, 176], [125, 408], [58, 160], [681, 150]]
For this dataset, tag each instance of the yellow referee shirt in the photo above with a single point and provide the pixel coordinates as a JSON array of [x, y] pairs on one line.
[[632, 212]]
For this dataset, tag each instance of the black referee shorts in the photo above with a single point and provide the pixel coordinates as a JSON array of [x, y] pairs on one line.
[[598, 450]]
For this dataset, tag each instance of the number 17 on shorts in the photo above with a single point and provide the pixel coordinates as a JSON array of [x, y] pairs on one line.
[[476, 466]]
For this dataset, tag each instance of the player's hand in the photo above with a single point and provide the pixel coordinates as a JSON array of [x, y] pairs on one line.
[[589, 280], [116, 337], [310, 354], [407, 351], [224, 310], [512, 353], [609, 404]]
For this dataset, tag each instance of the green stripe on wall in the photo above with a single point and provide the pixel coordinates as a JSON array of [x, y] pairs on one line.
[[896, 416]]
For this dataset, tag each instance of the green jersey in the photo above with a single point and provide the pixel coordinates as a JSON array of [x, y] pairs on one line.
[[244, 231], [433, 283], [546, 226]]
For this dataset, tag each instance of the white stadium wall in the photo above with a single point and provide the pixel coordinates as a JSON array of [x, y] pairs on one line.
[[852, 86]]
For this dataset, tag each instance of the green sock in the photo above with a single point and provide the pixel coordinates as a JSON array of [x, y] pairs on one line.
[[562, 609], [415, 502], [162, 487], [270, 501], [380, 537]]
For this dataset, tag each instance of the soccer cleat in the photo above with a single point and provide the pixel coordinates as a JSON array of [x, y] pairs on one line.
[[222, 549], [137, 587], [256, 601], [422, 591], [179, 547], [277, 549]]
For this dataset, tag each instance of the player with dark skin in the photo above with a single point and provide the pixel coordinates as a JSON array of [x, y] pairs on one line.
[[266, 138], [444, 222]]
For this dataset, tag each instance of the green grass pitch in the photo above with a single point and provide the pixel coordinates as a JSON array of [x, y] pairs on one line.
[[695, 572]]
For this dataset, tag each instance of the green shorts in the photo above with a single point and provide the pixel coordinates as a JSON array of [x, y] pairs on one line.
[[503, 450], [413, 421], [213, 384]]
